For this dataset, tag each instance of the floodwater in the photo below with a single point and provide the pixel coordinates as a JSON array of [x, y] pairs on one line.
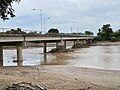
[[101, 57]]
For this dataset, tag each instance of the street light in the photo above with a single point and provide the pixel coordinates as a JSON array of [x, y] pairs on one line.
[[45, 23], [40, 16], [76, 26], [71, 30], [72, 27]]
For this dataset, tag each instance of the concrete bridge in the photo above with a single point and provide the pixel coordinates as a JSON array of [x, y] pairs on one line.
[[20, 40]]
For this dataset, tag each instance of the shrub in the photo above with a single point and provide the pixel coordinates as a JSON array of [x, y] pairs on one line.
[[113, 39], [118, 38]]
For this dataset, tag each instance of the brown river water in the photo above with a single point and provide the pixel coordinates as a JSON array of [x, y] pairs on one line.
[[100, 57]]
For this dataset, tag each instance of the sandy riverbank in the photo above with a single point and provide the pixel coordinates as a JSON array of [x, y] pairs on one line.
[[61, 77], [107, 43]]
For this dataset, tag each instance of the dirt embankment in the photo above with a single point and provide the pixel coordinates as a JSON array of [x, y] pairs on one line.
[[61, 77]]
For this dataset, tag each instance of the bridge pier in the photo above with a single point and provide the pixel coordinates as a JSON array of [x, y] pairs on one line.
[[45, 59], [65, 44], [19, 53], [77, 42], [57, 44], [90, 41], [87, 41], [84, 42], [19, 63], [1, 55], [45, 47], [74, 43]]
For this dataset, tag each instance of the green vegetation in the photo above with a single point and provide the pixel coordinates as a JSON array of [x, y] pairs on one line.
[[13, 31], [88, 33], [85, 33], [6, 9], [106, 34], [53, 31]]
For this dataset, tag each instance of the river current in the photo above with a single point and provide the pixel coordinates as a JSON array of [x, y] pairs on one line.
[[100, 57]]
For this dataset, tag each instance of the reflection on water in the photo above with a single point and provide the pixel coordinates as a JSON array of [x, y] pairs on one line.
[[103, 57], [33, 56], [1, 63]]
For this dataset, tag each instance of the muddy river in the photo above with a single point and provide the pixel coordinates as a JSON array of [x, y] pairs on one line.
[[102, 57]]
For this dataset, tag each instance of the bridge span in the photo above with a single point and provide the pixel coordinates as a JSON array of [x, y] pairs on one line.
[[20, 40]]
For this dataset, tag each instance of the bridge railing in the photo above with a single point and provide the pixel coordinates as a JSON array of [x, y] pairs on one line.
[[42, 35]]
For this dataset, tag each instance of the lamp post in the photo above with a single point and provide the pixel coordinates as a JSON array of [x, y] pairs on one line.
[[44, 22], [76, 26], [40, 16], [71, 30]]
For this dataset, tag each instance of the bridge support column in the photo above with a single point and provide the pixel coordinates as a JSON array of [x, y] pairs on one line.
[[91, 41], [77, 42], [24, 42], [56, 44], [45, 47], [19, 63], [84, 42], [45, 59], [87, 41], [1, 55], [19, 53], [74, 43], [65, 44]]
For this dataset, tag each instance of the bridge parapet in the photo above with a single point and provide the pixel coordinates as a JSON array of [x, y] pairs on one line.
[[41, 38]]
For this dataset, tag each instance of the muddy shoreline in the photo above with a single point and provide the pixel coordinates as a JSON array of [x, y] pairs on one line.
[[61, 77]]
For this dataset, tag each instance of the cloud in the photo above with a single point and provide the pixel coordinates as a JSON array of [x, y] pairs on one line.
[[90, 14]]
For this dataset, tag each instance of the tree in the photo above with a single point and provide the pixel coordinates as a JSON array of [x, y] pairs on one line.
[[53, 31], [16, 31], [113, 39], [6, 10], [105, 33], [88, 33], [117, 33]]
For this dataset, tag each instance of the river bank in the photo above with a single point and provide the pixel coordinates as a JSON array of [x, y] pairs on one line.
[[65, 77], [106, 43], [61, 77]]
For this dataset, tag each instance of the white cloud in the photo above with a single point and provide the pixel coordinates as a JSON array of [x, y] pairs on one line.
[[91, 14]]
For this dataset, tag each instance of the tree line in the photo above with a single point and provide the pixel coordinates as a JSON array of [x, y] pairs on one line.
[[56, 31], [107, 33]]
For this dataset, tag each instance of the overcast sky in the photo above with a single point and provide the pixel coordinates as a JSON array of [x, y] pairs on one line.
[[89, 14]]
